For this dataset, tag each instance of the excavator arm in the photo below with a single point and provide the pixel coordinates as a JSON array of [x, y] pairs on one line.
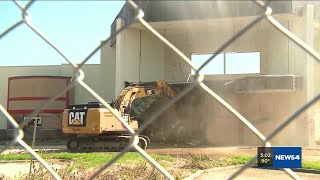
[[142, 100], [144, 91]]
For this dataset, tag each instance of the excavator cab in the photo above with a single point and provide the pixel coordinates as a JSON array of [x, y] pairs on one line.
[[96, 128]]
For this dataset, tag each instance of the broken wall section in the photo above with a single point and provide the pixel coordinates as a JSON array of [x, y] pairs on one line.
[[208, 120]]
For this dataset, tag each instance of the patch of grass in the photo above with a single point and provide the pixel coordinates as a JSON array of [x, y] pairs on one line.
[[205, 162], [96, 159], [13, 157], [163, 157], [236, 160], [311, 165], [88, 160]]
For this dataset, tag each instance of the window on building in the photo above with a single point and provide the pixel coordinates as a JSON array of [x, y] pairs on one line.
[[228, 63], [215, 66]]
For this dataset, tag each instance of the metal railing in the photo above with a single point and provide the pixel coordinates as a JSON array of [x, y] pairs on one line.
[[79, 76]]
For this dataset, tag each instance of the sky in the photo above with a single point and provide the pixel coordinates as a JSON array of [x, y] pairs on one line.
[[76, 27], [236, 63]]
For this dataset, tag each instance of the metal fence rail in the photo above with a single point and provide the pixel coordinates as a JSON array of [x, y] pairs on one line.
[[79, 76]]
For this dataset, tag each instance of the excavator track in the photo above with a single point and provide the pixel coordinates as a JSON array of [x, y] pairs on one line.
[[104, 143]]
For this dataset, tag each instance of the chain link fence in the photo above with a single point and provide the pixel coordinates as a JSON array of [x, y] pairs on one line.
[[79, 76]]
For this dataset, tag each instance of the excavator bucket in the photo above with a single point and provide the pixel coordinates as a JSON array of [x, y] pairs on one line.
[[177, 123]]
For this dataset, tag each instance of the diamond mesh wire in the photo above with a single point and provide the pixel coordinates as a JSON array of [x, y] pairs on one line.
[[139, 14]]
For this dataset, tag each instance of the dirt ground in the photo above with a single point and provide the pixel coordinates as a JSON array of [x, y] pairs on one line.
[[12, 170], [180, 151], [307, 154]]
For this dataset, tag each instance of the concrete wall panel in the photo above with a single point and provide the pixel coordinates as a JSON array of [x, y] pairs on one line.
[[152, 57], [51, 121], [222, 126], [94, 80], [37, 87], [176, 69], [317, 65], [266, 112], [207, 37], [33, 104], [277, 51]]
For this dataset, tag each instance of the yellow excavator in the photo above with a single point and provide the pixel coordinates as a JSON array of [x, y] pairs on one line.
[[95, 128]]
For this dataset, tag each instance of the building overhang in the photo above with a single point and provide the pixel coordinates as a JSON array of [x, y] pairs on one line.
[[159, 12]]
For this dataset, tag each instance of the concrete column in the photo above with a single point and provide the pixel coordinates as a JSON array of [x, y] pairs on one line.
[[108, 71], [131, 55], [119, 64], [317, 86], [3, 122], [152, 57], [301, 64], [308, 16], [127, 55]]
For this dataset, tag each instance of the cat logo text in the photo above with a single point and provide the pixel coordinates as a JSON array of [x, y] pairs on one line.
[[77, 118]]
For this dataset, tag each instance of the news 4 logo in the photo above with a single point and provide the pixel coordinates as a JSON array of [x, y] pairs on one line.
[[77, 118], [287, 157]]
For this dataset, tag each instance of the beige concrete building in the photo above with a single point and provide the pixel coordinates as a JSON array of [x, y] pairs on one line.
[[287, 76], [34, 91]]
